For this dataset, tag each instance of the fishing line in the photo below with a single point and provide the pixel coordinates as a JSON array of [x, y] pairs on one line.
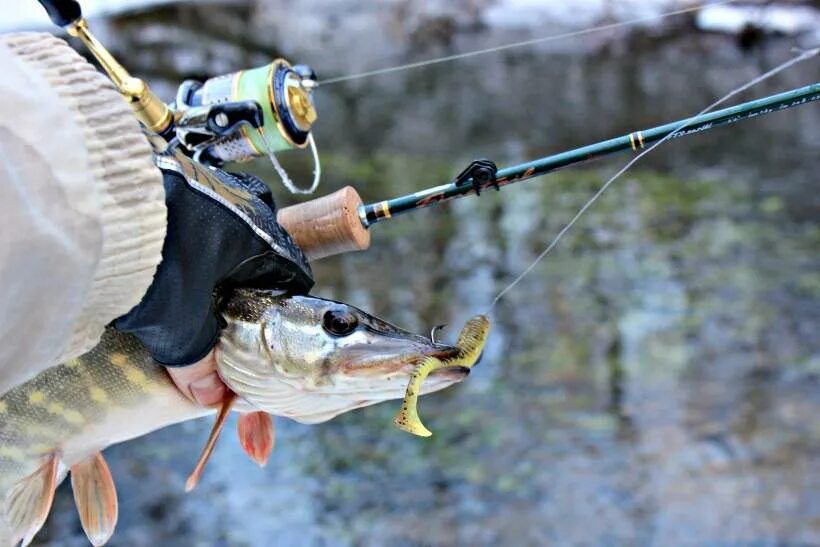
[[283, 174], [783, 66], [553, 37]]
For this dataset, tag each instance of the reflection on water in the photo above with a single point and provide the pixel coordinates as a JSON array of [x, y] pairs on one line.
[[655, 381]]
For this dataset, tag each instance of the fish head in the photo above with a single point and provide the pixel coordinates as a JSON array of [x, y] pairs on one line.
[[311, 359]]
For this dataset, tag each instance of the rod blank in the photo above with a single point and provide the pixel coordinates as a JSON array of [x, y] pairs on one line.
[[376, 212]]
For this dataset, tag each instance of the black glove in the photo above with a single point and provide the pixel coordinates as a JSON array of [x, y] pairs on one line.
[[222, 232]]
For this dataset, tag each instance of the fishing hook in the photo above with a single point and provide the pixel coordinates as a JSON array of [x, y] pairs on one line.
[[433, 332]]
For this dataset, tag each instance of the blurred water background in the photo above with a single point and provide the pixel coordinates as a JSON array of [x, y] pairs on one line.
[[655, 381]]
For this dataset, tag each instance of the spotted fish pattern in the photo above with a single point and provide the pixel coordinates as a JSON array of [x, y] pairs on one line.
[[71, 409]]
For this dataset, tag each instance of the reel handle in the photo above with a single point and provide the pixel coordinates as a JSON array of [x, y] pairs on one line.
[[328, 225], [62, 12]]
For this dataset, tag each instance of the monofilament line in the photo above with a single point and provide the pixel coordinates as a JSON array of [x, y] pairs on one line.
[[457, 56], [802, 57]]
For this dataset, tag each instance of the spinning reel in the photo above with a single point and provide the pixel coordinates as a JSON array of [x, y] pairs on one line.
[[231, 118]]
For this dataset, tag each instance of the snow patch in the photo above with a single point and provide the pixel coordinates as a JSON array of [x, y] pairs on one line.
[[785, 19], [30, 15], [576, 14]]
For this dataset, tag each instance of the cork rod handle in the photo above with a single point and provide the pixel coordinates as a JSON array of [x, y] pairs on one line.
[[328, 225]]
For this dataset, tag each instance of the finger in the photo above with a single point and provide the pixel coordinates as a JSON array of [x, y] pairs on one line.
[[200, 382]]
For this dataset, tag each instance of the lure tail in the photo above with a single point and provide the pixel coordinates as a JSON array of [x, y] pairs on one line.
[[470, 343]]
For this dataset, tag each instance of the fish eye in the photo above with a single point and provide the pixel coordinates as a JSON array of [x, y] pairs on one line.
[[339, 322]]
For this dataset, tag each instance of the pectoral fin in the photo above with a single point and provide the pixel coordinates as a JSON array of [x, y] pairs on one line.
[[29, 501], [224, 410], [257, 435], [95, 497]]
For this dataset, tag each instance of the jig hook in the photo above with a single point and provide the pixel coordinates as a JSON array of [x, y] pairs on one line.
[[434, 331]]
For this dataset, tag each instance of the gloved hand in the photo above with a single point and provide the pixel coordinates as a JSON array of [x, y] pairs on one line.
[[221, 232]]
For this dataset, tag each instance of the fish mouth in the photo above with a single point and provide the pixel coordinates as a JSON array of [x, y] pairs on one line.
[[381, 370], [444, 377], [396, 357], [370, 373]]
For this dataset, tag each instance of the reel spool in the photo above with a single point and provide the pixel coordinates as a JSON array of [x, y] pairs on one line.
[[283, 98], [247, 114]]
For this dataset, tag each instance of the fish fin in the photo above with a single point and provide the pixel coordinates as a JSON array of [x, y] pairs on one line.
[[95, 497], [29, 501], [221, 416], [257, 435]]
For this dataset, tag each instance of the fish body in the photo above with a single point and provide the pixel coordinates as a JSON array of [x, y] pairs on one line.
[[114, 393], [301, 357], [321, 358]]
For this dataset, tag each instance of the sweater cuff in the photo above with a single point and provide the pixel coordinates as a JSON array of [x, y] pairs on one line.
[[132, 212]]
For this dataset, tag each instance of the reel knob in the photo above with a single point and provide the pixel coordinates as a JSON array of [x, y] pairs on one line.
[[301, 107], [62, 12]]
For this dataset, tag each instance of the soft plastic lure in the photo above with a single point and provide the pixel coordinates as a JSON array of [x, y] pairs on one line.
[[470, 343]]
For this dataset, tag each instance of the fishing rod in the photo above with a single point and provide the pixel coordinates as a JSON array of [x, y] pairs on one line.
[[261, 111], [339, 222]]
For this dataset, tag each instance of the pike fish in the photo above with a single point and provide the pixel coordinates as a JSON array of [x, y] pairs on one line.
[[300, 357]]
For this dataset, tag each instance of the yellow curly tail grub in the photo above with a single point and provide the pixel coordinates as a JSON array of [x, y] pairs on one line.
[[470, 343], [471, 340], [408, 416]]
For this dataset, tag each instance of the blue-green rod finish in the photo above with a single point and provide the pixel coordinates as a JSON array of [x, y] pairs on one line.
[[378, 211]]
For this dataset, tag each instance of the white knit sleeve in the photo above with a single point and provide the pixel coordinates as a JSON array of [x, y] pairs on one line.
[[82, 211]]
